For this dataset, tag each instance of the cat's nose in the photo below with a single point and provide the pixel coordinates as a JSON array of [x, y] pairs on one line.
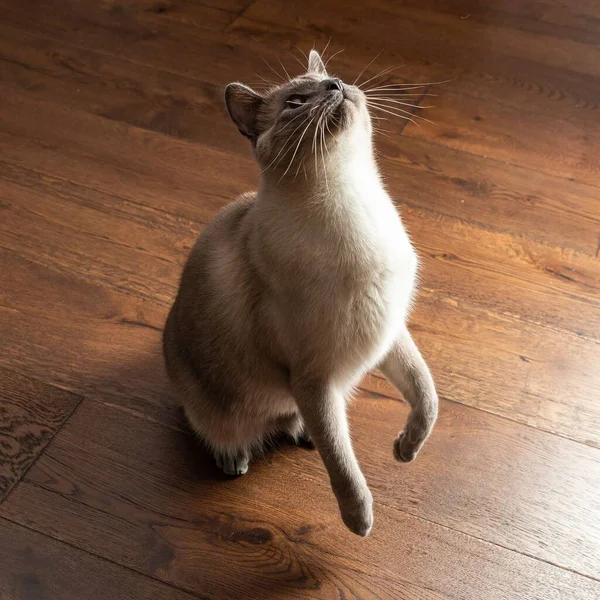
[[335, 84]]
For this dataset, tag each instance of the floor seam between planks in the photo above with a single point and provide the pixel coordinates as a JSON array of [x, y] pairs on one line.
[[50, 439]]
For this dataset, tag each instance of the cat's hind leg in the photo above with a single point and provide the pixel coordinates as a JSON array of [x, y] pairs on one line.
[[405, 368], [230, 440]]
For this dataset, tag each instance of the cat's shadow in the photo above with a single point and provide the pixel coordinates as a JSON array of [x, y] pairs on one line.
[[207, 509]]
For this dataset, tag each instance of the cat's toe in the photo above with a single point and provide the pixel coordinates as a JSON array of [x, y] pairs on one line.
[[235, 465], [405, 449], [358, 514], [235, 471], [304, 439]]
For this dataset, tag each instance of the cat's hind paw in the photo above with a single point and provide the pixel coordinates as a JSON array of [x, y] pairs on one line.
[[234, 464]]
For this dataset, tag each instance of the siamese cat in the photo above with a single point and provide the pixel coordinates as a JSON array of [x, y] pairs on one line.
[[296, 290]]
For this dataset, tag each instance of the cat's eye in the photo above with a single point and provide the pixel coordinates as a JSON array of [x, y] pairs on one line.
[[295, 101]]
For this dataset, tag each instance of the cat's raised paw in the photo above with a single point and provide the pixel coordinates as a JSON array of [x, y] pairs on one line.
[[405, 449]]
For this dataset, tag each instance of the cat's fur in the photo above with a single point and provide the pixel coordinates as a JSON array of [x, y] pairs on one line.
[[294, 292]]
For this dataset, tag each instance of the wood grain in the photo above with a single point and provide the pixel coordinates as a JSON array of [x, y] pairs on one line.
[[30, 415], [35, 566], [479, 125], [428, 174], [116, 150], [137, 261], [138, 249], [429, 35], [535, 278], [278, 541]]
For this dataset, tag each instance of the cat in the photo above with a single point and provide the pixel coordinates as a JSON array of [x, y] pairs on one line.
[[295, 291]]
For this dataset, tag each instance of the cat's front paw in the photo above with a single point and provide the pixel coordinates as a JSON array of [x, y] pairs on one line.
[[357, 513], [405, 448]]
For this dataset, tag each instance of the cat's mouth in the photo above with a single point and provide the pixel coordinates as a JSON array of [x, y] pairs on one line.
[[340, 108], [338, 111]]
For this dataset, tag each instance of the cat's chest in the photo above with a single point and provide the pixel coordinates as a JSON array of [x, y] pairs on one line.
[[363, 235]]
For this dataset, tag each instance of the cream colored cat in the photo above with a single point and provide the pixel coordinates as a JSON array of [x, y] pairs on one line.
[[294, 292]]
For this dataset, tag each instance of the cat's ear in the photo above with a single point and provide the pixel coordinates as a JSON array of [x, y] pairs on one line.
[[243, 104], [315, 64]]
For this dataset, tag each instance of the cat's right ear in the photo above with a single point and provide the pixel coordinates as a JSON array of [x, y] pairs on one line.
[[243, 105]]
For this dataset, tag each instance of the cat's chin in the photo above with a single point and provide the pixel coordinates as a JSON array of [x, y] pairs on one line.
[[343, 114]]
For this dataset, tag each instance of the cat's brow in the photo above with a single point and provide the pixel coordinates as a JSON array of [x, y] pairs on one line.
[[301, 86]]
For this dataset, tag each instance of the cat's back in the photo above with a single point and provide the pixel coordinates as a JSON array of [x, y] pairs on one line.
[[216, 278]]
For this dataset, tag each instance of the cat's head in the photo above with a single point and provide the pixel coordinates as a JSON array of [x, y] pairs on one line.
[[292, 126]]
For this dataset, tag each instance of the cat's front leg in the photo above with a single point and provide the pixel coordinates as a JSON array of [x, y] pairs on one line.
[[324, 411], [405, 368]]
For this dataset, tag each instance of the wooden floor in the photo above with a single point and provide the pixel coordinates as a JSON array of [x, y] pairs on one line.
[[115, 151]]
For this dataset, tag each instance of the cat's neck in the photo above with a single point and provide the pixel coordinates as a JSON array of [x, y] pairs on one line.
[[344, 170]]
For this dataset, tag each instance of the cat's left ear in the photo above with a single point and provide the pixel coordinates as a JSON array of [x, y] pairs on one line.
[[243, 104], [315, 64]]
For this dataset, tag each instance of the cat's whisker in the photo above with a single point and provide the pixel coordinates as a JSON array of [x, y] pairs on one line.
[[289, 144], [314, 145], [325, 49], [279, 75], [331, 134], [394, 101], [368, 65], [382, 132], [396, 108], [303, 54], [267, 81], [323, 159], [398, 112], [285, 70], [296, 150], [333, 56], [312, 150], [385, 110], [408, 86], [296, 58], [381, 74], [399, 93], [297, 117]]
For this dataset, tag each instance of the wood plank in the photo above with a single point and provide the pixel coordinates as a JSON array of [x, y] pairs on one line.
[[533, 281], [575, 21], [429, 35], [517, 83], [150, 158], [136, 499], [482, 124], [511, 369], [93, 340], [35, 566], [536, 206], [489, 129], [549, 382], [112, 241], [115, 150], [114, 88], [433, 176], [30, 415], [143, 37], [473, 272]]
